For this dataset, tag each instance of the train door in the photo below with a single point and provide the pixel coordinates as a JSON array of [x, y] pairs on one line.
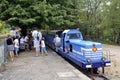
[[63, 40]]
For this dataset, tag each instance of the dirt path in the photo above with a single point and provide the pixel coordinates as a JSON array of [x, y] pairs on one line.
[[50, 67], [114, 70]]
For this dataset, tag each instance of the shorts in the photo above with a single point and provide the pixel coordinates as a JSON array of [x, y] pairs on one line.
[[58, 44], [36, 44], [43, 49], [16, 49], [10, 47]]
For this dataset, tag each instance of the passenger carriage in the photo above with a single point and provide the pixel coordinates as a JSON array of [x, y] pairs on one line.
[[49, 37]]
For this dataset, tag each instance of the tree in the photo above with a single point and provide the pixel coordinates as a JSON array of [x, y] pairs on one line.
[[3, 28], [112, 20], [40, 13]]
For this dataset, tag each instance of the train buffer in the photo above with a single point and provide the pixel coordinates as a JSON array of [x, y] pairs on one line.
[[50, 67]]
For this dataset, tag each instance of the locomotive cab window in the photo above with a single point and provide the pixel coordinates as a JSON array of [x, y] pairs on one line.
[[73, 35]]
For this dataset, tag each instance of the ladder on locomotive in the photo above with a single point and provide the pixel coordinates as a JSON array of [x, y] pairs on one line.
[[106, 54]]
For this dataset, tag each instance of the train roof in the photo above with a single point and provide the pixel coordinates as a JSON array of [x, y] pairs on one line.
[[71, 31], [55, 30]]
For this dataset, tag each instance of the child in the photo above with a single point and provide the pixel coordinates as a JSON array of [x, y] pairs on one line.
[[43, 47], [16, 45]]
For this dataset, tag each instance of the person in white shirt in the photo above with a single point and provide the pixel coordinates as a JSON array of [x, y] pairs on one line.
[[17, 32], [22, 40], [27, 41], [22, 43], [57, 43], [16, 45], [43, 47], [36, 40], [40, 35]]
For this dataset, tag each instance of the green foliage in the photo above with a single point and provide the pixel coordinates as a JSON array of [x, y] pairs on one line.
[[112, 20], [3, 30], [99, 19], [27, 21], [40, 13]]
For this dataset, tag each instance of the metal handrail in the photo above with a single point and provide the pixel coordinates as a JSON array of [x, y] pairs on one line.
[[106, 54]]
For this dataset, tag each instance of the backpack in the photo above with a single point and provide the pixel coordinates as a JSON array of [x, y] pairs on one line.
[[37, 36]]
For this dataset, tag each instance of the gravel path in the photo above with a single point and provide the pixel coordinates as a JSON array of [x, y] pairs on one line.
[[114, 70], [50, 67]]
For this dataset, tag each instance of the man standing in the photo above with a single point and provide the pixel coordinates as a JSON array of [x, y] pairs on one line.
[[57, 41], [36, 39], [17, 32]]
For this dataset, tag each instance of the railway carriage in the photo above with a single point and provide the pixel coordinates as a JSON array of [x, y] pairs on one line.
[[49, 37], [86, 54]]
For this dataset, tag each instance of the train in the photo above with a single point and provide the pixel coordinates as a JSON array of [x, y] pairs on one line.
[[86, 54]]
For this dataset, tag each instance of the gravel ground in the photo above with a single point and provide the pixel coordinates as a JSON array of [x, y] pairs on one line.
[[51, 67], [114, 70]]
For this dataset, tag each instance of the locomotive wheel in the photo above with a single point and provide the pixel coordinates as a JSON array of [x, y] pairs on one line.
[[95, 70]]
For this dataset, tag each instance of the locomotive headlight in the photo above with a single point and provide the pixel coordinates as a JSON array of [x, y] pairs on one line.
[[94, 49], [88, 60]]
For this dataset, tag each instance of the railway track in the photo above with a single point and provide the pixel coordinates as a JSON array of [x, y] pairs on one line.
[[98, 77], [87, 73]]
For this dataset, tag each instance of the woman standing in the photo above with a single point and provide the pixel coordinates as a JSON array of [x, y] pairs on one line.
[[10, 47]]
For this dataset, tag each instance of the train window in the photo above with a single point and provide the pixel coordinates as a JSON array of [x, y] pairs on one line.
[[51, 34], [73, 35], [59, 33]]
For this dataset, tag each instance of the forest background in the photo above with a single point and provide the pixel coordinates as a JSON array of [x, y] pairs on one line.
[[98, 20]]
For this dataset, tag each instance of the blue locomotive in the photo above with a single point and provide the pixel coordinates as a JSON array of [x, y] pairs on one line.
[[86, 54]]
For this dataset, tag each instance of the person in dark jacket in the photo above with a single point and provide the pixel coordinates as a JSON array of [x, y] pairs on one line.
[[10, 47]]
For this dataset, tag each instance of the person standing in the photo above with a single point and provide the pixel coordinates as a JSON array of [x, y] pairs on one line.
[[43, 47], [16, 45], [57, 41], [40, 37], [22, 43], [27, 42], [17, 32], [36, 41], [10, 47]]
